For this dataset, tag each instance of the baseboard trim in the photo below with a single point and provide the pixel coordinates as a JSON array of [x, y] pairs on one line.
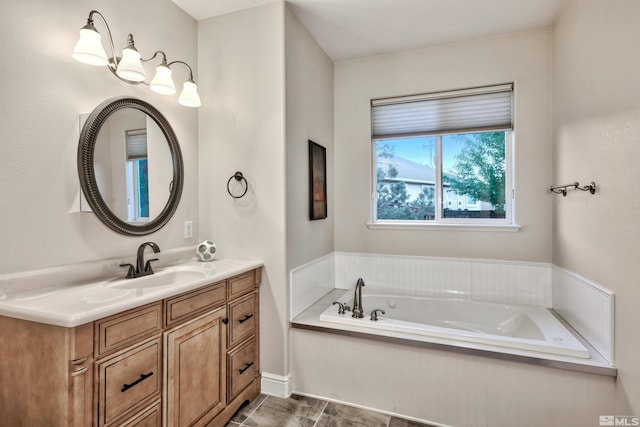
[[276, 385]]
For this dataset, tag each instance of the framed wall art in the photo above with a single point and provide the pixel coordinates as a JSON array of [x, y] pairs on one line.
[[317, 181]]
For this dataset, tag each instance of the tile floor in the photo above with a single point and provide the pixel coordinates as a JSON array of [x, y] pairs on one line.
[[302, 411]]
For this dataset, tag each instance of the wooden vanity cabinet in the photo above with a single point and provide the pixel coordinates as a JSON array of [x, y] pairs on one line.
[[188, 360], [194, 370], [46, 374]]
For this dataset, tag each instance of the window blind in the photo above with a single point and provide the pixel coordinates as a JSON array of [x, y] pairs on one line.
[[136, 144], [468, 110]]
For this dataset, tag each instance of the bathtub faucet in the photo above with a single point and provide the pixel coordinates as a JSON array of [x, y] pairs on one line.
[[357, 300]]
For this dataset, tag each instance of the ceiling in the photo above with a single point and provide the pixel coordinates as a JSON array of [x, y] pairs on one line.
[[348, 29]]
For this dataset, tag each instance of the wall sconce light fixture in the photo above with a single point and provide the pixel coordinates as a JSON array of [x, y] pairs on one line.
[[128, 67]]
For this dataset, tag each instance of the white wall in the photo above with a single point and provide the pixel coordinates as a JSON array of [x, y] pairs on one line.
[[596, 133], [241, 128], [309, 115], [445, 387], [43, 91], [522, 58]]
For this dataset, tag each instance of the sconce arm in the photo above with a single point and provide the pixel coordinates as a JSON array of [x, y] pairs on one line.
[[155, 55], [185, 64]]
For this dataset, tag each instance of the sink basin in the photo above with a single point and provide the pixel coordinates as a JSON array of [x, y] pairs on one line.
[[168, 276]]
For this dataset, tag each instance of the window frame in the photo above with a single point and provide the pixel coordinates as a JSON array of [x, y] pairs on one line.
[[135, 152], [439, 223]]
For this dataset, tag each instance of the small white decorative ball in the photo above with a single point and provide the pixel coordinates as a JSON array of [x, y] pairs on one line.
[[206, 251]]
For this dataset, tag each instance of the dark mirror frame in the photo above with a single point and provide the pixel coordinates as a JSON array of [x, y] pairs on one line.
[[86, 172]]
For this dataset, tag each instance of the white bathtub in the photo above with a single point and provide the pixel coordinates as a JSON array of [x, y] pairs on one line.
[[513, 326]]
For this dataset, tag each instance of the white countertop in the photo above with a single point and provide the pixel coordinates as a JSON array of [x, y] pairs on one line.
[[66, 297]]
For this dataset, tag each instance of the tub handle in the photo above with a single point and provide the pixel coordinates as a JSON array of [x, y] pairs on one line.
[[341, 306], [374, 313]]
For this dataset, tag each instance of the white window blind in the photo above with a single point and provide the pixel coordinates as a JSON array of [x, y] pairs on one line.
[[136, 144], [468, 110]]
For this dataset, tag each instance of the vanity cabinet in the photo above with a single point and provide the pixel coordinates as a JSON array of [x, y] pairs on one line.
[[188, 360], [46, 374], [195, 370]]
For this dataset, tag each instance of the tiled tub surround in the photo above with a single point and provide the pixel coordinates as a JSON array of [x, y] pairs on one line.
[[435, 382], [586, 307]]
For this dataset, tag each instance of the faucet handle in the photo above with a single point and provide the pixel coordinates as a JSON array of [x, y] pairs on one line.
[[147, 266], [374, 313], [131, 273], [340, 306]]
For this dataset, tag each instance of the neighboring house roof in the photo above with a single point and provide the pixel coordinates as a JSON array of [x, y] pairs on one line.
[[408, 171]]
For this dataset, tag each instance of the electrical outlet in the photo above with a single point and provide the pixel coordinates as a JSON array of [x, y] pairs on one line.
[[188, 229]]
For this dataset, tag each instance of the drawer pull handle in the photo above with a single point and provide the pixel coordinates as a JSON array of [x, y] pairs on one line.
[[143, 377], [246, 366], [245, 318]]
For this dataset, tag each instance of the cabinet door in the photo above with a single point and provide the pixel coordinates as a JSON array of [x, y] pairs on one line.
[[195, 379]]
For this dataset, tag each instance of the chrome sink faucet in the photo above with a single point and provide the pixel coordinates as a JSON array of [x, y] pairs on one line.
[[142, 268], [357, 300]]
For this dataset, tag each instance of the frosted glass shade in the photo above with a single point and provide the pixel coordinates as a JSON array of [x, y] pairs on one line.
[[162, 82], [189, 96], [130, 67], [89, 48]]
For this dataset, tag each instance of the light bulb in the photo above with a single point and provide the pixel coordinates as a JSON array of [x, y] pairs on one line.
[[89, 48], [189, 96], [162, 82], [130, 67]]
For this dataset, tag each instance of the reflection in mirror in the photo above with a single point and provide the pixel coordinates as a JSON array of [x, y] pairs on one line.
[[130, 166], [133, 166]]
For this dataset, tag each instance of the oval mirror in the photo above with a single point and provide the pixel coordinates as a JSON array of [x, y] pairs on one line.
[[130, 166]]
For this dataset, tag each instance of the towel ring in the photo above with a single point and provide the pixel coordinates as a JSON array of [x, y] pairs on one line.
[[238, 177]]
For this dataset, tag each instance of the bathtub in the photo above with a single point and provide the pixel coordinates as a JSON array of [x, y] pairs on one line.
[[512, 326]]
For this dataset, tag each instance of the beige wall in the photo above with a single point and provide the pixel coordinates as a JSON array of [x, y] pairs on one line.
[[309, 115], [596, 136], [522, 58], [439, 386], [245, 127], [241, 128], [43, 91]]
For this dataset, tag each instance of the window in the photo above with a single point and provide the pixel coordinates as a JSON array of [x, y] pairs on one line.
[[137, 176], [443, 158]]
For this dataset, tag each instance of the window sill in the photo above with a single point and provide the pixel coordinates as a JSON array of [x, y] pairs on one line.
[[443, 227]]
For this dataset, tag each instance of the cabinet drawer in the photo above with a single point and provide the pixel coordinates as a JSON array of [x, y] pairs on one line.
[[190, 304], [123, 329], [242, 366], [242, 319], [151, 417], [240, 285], [129, 380]]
